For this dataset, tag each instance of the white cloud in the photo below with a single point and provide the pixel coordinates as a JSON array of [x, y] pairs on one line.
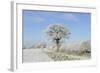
[[39, 19], [70, 17]]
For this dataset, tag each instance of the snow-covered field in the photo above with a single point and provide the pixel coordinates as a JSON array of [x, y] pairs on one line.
[[44, 55], [35, 55]]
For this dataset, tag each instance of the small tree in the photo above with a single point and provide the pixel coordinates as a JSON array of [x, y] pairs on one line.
[[57, 32]]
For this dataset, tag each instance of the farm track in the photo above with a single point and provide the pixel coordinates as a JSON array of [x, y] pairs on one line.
[[35, 55]]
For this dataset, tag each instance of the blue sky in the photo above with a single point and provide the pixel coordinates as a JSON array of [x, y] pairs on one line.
[[36, 22]]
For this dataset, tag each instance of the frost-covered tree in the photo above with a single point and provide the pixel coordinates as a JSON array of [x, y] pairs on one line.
[[86, 46], [57, 32]]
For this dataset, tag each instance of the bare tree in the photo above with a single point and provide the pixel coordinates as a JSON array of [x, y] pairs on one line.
[[57, 32]]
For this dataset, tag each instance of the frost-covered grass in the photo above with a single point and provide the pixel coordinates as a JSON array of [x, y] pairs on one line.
[[60, 56]]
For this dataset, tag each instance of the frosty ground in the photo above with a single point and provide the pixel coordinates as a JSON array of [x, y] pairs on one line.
[[35, 55], [40, 55]]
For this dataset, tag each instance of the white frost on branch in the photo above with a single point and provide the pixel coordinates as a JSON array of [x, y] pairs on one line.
[[57, 31]]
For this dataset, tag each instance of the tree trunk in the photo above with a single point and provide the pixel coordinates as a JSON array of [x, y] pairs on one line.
[[57, 48], [57, 43]]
